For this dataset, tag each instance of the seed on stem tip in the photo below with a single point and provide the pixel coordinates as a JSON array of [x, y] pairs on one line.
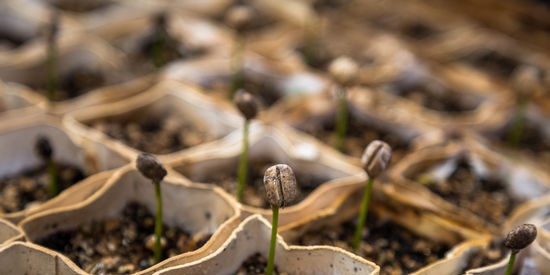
[[43, 147], [525, 80], [343, 70], [150, 167], [239, 17], [520, 237], [246, 103], [280, 185], [376, 158]]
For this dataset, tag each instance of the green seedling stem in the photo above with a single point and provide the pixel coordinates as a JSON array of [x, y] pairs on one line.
[[237, 76], [51, 66], [362, 214], [243, 163], [158, 224], [53, 186], [510, 264], [518, 121], [273, 241], [341, 120]]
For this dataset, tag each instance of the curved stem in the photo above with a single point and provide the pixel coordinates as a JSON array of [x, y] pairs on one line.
[[362, 214], [510, 264], [341, 120], [272, 244], [243, 164], [158, 224]]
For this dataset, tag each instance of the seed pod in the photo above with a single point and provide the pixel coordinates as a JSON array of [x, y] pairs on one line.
[[520, 237], [343, 70], [376, 158], [43, 148], [280, 185], [246, 103], [150, 167]]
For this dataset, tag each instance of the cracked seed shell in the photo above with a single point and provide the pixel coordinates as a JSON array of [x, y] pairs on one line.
[[150, 167], [376, 158], [280, 185], [520, 237]]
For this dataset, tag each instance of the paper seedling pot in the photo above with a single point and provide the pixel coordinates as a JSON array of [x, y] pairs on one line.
[[17, 101], [272, 144], [196, 209], [17, 138], [168, 97], [253, 235], [28, 258], [9, 233], [525, 183]]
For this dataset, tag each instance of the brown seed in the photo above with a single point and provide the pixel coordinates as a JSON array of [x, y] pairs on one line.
[[376, 158], [280, 185], [150, 167], [43, 148], [520, 237], [343, 70], [239, 17], [246, 103]]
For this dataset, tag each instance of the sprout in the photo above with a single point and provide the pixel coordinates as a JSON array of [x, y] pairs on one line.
[[153, 169], [280, 188], [52, 56], [160, 39], [238, 18], [247, 104], [44, 150], [375, 160], [343, 71], [525, 81], [518, 239]]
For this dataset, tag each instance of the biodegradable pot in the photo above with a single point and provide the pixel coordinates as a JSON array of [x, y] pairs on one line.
[[253, 236], [9, 233], [17, 138], [212, 211], [331, 176], [165, 103], [541, 248], [28, 258], [17, 101], [437, 164]]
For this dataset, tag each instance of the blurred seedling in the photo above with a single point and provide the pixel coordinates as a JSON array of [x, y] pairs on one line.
[[343, 71], [519, 238], [44, 150], [375, 160], [248, 106], [160, 40], [281, 190], [238, 18], [153, 169], [52, 57], [525, 82]]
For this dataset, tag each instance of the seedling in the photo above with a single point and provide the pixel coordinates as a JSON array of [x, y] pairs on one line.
[[343, 71], [160, 40], [375, 160], [248, 106], [152, 169], [238, 18], [52, 57], [518, 239], [44, 150], [280, 190], [525, 81]]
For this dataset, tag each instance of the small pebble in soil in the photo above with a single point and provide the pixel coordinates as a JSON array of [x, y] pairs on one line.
[[118, 245]]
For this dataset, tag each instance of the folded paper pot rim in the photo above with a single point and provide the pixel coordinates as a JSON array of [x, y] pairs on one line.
[[128, 185], [9, 233]]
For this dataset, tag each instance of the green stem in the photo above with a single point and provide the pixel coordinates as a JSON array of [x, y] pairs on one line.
[[53, 185], [243, 164], [158, 224], [516, 130], [159, 50], [272, 243], [362, 214], [510, 264], [237, 76], [51, 71], [341, 120]]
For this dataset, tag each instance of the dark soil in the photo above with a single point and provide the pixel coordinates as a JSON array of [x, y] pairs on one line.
[[80, 6], [495, 63], [30, 187], [155, 133], [254, 193], [255, 265], [117, 245], [495, 252], [487, 197], [359, 135], [394, 248]]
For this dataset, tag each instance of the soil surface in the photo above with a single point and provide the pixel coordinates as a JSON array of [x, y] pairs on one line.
[[495, 252], [255, 265], [155, 133], [487, 197], [394, 248], [29, 188], [359, 135], [122, 244], [254, 193]]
